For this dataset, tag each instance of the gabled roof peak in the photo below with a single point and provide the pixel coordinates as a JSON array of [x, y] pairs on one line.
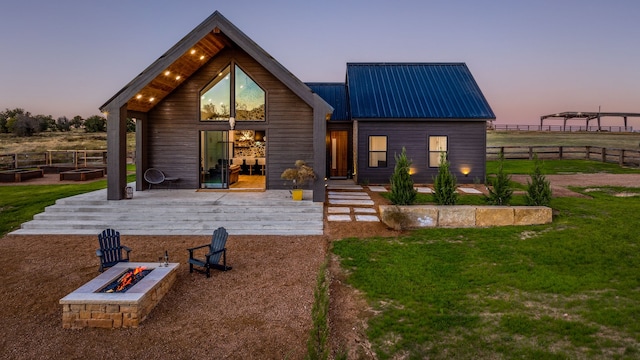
[[203, 43]]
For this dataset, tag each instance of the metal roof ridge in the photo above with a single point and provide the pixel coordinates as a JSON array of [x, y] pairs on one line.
[[412, 63]]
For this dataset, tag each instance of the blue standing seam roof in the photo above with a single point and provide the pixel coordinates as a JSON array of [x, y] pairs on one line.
[[414, 91], [336, 95]]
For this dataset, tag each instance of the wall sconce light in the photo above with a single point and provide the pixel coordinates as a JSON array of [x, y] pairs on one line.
[[232, 122], [465, 171]]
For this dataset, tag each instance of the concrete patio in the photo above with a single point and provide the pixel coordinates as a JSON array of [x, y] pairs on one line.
[[181, 212]]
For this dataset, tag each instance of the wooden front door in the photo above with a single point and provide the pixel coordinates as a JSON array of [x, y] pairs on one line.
[[339, 150]]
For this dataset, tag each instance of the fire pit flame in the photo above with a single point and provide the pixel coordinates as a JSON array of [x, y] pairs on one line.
[[128, 279]]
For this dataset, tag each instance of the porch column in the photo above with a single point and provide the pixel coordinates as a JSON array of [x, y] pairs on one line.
[[141, 153], [116, 152], [320, 111]]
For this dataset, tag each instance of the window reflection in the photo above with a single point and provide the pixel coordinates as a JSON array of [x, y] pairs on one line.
[[249, 98], [215, 102]]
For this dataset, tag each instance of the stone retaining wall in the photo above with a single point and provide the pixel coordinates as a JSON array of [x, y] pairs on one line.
[[462, 216]]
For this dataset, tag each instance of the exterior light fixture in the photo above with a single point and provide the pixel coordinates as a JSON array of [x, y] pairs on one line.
[[465, 171], [167, 73], [232, 122], [139, 96], [152, 99]]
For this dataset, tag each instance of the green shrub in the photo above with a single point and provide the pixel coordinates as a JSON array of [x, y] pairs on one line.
[[402, 190], [444, 184], [538, 189], [499, 192]]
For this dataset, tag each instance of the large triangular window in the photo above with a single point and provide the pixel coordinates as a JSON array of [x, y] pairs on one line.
[[247, 98]]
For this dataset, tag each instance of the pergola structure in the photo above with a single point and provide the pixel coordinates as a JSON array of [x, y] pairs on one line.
[[587, 116]]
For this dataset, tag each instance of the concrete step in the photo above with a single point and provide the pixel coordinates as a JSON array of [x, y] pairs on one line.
[[175, 232], [173, 208], [169, 217], [190, 225]]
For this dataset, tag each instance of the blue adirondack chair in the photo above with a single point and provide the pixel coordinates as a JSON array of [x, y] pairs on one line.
[[111, 252], [214, 251]]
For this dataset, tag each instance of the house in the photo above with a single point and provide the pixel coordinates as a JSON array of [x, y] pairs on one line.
[[216, 108], [429, 109]]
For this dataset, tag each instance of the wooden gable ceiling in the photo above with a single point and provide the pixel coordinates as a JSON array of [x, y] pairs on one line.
[[180, 70]]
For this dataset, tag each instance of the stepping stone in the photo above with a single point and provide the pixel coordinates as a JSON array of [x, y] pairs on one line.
[[357, 196], [369, 218], [338, 210], [344, 187], [378, 188], [339, 218], [424, 190], [351, 202], [469, 190], [364, 211]]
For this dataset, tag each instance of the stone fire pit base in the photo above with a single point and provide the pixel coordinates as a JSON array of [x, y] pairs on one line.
[[87, 307]]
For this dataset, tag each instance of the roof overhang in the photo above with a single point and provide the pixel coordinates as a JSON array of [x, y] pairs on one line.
[[190, 54]]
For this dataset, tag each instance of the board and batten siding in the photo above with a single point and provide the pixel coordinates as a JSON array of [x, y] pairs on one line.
[[173, 126], [466, 147]]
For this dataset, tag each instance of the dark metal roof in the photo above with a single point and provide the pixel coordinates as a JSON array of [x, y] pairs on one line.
[[415, 91], [336, 95]]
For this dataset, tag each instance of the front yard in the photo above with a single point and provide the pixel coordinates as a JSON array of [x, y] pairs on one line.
[[564, 290]]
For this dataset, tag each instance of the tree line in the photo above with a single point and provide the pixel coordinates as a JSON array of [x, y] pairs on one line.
[[22, 123]]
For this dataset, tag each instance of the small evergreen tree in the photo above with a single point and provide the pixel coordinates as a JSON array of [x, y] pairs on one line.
[[500, 193], [402, 190], [444, 185], [539, 189]]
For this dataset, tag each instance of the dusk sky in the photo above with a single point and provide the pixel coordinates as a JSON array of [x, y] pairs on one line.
[[530, 58]]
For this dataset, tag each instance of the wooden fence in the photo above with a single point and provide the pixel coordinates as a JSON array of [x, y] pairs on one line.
[[88, 158], [623, 157], [73, 158], [568, 128]]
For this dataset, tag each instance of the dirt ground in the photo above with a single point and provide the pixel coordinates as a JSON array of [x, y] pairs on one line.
[[259, 310]]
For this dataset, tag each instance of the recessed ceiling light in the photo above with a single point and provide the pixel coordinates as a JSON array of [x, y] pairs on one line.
[[166, 73]]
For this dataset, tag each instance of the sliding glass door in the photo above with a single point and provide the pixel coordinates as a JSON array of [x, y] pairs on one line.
[[215, 151]]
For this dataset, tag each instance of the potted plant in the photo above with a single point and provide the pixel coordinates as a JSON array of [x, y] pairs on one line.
[[299, 176]]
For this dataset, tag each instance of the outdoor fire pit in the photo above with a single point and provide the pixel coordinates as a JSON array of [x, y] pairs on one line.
[[105, 303]]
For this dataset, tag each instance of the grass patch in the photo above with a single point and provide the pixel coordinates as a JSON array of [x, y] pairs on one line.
[[552, 167], [21, 202], [317, 344], [562, 290]]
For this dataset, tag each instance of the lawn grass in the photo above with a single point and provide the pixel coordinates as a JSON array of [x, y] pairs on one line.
[[563, 290], [553, 167], [21, 202]]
